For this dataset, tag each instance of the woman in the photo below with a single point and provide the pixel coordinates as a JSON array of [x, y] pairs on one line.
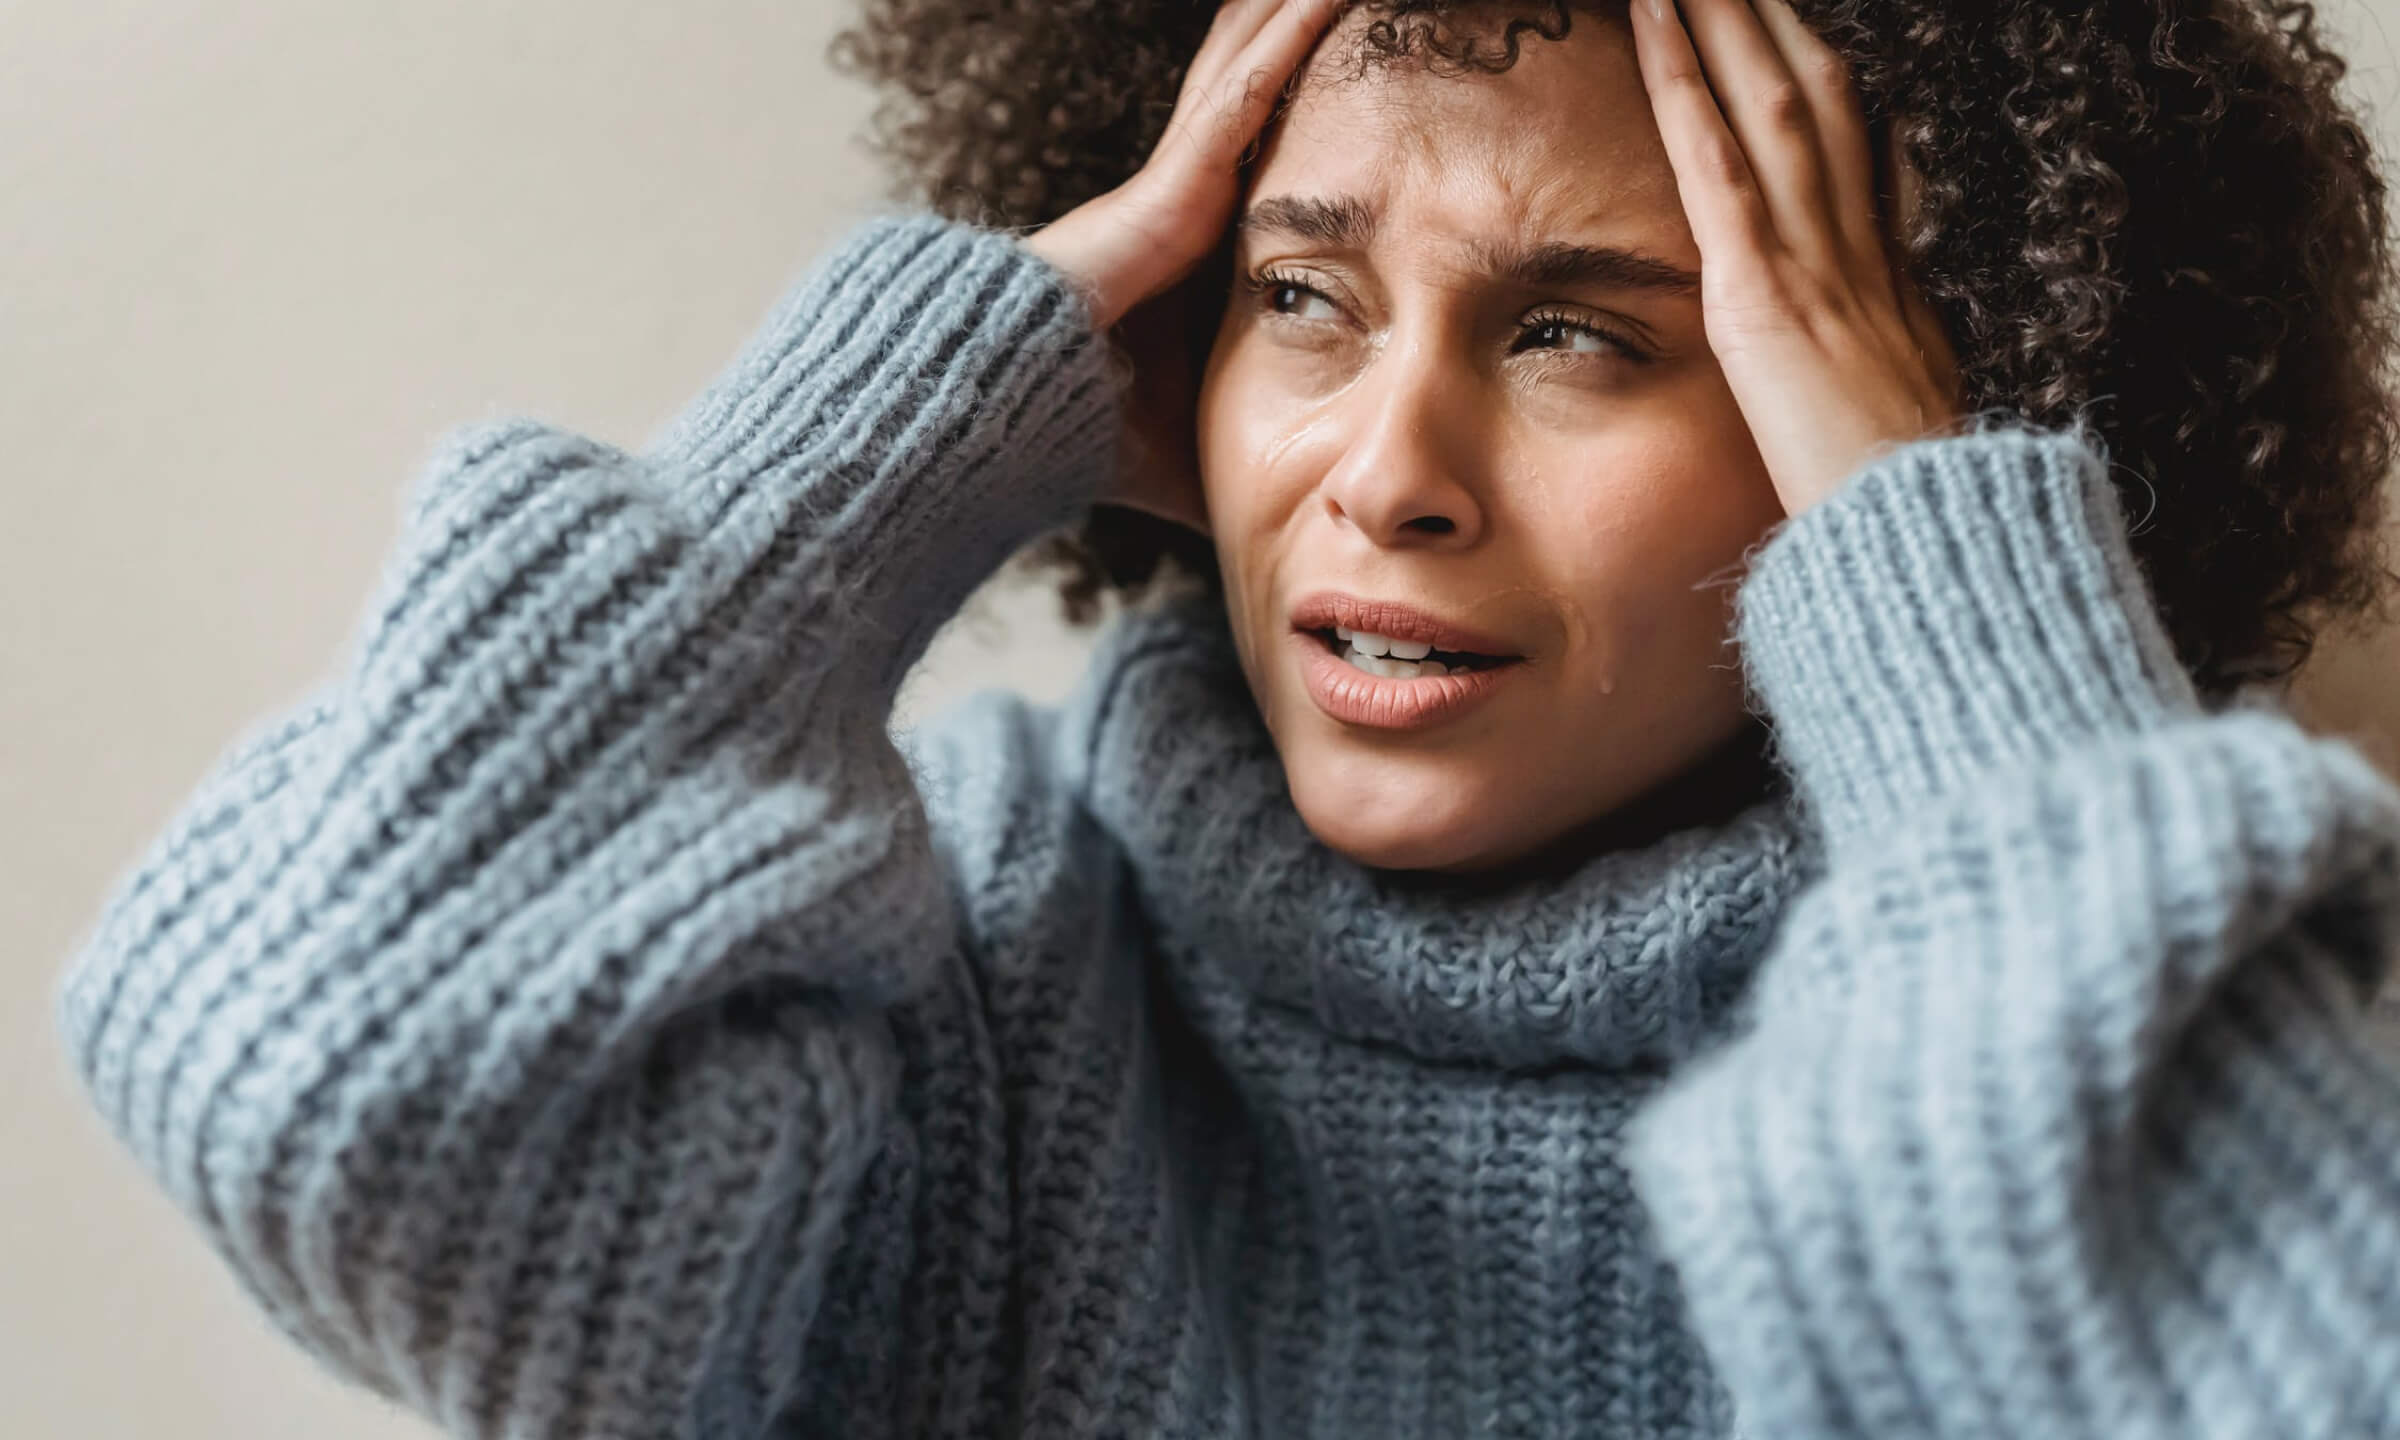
[[1393, 997]]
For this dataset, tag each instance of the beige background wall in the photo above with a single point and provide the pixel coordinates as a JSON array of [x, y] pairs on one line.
[[254, 257]]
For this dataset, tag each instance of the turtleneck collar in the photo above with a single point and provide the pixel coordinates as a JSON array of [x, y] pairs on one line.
[[1630, 957]]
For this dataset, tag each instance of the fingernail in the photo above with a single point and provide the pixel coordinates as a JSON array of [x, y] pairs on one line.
[[1658, 9]]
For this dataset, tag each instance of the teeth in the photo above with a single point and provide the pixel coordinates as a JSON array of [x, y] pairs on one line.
[[1366, 642], [1391, 669], [1382, 655]]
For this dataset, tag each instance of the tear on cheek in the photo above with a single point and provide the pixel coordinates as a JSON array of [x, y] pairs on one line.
[[1286, 441]]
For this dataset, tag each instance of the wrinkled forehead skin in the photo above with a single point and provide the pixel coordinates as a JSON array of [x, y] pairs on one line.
[[1611, 141], [1562, 142]]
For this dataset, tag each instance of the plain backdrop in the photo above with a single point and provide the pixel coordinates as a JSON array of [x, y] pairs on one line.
[[255, 256]]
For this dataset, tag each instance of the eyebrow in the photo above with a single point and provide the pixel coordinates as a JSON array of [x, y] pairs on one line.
[[1342, 223], [1348, 223], [1605, 267]]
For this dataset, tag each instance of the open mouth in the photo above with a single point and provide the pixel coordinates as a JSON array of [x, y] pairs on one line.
[[1393, 659]]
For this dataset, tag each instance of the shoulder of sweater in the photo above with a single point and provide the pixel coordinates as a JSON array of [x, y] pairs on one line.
[[1004, 811], [1007, 782]]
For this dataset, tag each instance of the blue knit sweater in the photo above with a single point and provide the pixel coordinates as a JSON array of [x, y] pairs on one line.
[[579, 1019]]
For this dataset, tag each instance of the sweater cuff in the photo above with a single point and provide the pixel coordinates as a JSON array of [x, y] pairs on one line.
[[931, 397], [1963, 604]]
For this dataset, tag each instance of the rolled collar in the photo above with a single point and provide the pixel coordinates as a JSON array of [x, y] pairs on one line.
[[1632, 957]]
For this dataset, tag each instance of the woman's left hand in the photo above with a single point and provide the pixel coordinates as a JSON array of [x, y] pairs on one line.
[[1831, 354]]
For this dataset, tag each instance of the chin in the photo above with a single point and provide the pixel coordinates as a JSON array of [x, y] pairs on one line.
[[1404, 814]]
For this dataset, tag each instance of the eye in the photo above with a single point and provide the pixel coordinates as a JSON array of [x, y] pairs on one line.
[[1573, 336], [1284, 295]]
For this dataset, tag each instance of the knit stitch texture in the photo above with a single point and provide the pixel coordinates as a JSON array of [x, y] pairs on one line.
[[579, 1018]]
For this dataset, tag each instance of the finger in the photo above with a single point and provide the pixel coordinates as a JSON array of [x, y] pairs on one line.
[[1769, 113], [1290, 33], [1276, 55], [1841, 126], [1721, 199], [1223, 110], [1235, 22]]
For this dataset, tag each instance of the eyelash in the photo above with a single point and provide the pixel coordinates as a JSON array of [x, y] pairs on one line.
[[1625, 348], [1266, 285]]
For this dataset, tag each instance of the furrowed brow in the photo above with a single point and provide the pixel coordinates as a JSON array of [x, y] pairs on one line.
[[1341, 223], [1605, 267]]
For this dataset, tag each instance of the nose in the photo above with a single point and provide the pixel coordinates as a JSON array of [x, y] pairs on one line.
[[1402, 480]]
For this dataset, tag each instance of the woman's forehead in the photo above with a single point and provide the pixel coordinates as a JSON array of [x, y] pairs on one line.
[[1564, 135]]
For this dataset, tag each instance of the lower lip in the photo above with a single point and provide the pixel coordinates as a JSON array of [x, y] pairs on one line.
[[1354, 697]]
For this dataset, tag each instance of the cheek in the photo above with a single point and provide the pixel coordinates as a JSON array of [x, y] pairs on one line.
[[1254, 441], [1242, 431], [1636, 527]]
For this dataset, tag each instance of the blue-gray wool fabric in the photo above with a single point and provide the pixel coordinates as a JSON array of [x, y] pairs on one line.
[[579, 1017]]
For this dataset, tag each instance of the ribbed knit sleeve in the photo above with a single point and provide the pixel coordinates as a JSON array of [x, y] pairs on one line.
[[2054, 1116], [508, 1013]]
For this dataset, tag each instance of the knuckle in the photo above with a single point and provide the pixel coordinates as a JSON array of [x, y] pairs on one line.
[[1785, 105], [1752, 292], [1201, 121], [1257, 87], [1827, 72], [1721, 162]]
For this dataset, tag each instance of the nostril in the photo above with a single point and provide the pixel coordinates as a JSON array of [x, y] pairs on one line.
[[1433, 524]]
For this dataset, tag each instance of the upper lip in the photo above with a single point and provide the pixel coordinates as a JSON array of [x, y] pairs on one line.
[[1330, 609]]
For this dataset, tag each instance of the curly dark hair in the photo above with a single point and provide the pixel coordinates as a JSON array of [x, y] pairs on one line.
[[2157, 218]]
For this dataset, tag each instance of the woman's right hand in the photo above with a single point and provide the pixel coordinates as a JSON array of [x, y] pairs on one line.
[[1136, 243]]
